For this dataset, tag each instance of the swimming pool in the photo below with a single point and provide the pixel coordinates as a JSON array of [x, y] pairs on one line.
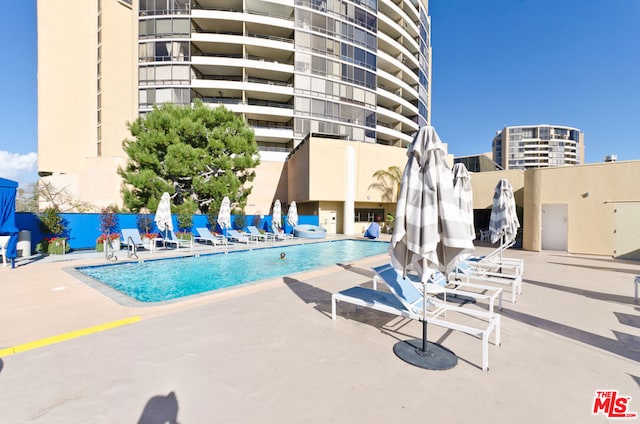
[[165, 279]]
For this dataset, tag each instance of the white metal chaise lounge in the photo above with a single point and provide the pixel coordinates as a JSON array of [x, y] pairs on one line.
[[171, 238], [468, 274], [407, 301], [205, 236], [497, 262], [131, 238], [4, 243], [257, 235], [235, 235], [438, 284]]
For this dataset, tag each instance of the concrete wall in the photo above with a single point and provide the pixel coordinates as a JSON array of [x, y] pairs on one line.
[[270, 184], [484, 186], [326, 169], [70, 89], [591, 193], [67, 75], [318, 174]]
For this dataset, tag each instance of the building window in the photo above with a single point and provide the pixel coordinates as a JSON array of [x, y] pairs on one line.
[[369, 215]]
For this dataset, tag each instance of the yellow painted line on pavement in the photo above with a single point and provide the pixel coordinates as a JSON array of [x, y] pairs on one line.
[[66, 336]]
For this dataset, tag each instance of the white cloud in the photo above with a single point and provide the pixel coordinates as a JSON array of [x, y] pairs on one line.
[[18, 167]]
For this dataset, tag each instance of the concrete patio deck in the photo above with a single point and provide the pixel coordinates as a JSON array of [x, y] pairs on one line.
[[270, 353]]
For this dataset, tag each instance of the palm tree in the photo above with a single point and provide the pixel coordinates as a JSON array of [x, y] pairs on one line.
[[388, 182]]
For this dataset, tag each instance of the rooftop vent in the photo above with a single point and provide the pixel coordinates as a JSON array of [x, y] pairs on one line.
[[611, 158]]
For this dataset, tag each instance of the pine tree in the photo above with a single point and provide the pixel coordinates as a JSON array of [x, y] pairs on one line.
[[197, 154]]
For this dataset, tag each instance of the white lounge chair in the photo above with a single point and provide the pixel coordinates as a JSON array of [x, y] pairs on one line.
[[4, 243], [131, 237], [406, 300], [205, 236], [257, 235], [171, 238], [278, 234], [239, 237], [497, 262], [438, 284], [468, 274]]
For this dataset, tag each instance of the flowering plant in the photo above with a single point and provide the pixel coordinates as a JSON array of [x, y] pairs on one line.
[[149, 236], [53, 245], [105, 237]]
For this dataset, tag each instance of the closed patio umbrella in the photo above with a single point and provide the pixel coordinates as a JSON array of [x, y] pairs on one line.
[[292, 216], [428, 235], [163, 214], [276, 215], [224, 214], [463, 196], [503, 224]]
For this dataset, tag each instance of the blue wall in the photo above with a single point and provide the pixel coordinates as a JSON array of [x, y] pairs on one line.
[[84, 228]]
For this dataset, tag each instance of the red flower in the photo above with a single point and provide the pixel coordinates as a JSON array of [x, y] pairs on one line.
[[105, 237]]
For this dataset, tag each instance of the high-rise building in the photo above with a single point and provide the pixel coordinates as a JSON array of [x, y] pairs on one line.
[[360, 69], [538, 146]]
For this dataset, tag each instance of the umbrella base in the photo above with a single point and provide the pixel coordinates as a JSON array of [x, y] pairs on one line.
[[436, 357]]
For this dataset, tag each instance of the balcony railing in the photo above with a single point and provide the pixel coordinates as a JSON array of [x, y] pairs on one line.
[[247, 34], [240, 10]]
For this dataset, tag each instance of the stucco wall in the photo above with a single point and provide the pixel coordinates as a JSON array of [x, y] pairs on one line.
[[590, 192], [270, 184], [68, 95], [67, 74], [327, 168], [484, 186]]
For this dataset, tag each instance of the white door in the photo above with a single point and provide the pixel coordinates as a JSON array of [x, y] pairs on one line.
[[554, 226], [627, 231], [328, 221]]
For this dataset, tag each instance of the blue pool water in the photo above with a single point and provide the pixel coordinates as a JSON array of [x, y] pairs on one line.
[[165, 279]]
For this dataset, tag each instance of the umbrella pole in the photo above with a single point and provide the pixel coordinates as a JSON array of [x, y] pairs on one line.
[[502, 243], [421, 353], [424, 336]]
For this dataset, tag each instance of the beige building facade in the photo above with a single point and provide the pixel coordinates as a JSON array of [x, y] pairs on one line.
[[360, 70], [86, 95], [591, 209], [587, 209]]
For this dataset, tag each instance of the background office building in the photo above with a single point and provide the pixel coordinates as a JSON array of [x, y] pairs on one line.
[[357, 69], [538, 146]]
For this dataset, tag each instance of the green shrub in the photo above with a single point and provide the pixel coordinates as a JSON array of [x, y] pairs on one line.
[[51, 221], [53, 246]]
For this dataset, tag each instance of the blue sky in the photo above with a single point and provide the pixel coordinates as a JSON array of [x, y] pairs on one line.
[[495, 63]]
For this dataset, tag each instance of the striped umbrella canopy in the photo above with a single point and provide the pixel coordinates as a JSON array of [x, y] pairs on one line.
[[224, 214], [503, 223], [276, 215], [463, 196], [429, 232], [163, 214], [292, 216]]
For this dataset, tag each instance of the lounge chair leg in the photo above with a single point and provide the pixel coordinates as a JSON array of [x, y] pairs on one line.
[[485, 352], [333, 308]]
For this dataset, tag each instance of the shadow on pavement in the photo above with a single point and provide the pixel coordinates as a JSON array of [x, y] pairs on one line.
[[160, 410]]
